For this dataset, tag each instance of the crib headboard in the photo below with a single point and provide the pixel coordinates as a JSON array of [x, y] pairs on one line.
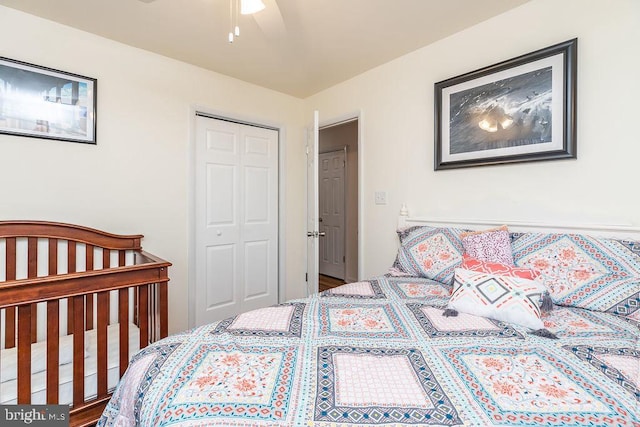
[[41, 249], [61, 279]]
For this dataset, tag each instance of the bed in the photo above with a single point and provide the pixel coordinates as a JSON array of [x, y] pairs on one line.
[[381, 352], [76, 303]]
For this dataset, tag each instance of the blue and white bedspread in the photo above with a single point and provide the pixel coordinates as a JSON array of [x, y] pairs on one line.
[[381, 353]]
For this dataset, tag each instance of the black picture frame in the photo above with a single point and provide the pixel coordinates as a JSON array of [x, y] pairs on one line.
[[41, 102], [519, 110]]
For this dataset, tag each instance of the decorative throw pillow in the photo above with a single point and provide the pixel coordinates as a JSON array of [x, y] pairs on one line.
[[582, 271], [490, 245], [430, 252], [509, 299], [469, 263]]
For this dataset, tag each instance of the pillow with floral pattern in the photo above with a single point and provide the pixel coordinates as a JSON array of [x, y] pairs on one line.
[[490, 245], [430, 252], [600, 274]]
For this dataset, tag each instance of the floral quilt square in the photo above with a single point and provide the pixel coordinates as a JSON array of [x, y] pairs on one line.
[[421, 290], [283, 320], [361, 290], [379, 386], [581, 271], [436, 325], [143, 368], [577, 322], [360, 320], [529, 386], [233, 381], [566, 262], [620, 364]]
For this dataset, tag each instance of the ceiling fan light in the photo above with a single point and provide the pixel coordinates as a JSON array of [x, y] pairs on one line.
[[247, 7]]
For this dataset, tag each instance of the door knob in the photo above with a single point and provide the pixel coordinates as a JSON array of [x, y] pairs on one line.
[[315, 234]]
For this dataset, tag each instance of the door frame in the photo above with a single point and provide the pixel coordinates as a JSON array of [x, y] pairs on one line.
[[338, 120], [191, 194]]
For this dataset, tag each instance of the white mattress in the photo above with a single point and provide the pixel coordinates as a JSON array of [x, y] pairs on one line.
[[8, 386]]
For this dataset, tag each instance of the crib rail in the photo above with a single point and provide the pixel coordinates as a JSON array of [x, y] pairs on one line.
[[61, 280]]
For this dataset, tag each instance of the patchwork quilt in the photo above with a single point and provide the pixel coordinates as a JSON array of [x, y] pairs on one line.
[[379, 352]]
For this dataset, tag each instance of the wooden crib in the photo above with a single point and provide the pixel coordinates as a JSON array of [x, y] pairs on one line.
[[60, 280]]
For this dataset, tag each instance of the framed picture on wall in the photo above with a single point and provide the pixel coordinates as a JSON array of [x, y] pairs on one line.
[[519, 110], [41, 102]]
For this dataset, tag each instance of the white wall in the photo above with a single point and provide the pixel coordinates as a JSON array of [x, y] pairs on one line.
[[396, 100], [135, 180]]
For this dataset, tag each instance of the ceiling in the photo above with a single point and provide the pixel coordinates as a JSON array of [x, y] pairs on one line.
[[298, 47]]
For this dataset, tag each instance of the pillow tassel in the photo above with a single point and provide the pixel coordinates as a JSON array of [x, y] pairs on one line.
[[450, 312], [546, 303], [545, 333]]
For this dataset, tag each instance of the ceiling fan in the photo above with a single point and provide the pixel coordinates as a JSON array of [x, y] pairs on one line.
[[269, 19]]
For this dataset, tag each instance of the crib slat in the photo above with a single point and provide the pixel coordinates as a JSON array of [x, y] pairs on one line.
[[136, 320], [10, 327], [10, 313], [89, 312], [89, 299], [32, 271], [106, 263], [69, 316], [143, 318], [164, 310], [89, 257], [71, 256], [32, 263], [106, 258], [53, 337], [71, 268], [155, 311], [24, 354], [101, 333], [78, 350], [123, 318], [34, 323], [152, 313], [53, 257]]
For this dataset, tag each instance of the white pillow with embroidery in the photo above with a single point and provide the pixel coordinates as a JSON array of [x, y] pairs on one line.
[[508, 299]]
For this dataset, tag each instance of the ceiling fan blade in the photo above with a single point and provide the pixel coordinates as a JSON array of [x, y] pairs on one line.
[[147, 1], [270, 20]]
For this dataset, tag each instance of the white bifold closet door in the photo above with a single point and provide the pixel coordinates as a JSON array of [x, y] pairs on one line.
[[236, 231]]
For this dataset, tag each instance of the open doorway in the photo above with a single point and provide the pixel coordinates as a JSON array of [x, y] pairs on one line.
[[338, 204]]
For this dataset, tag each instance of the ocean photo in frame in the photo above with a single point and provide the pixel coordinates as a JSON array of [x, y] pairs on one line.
[[41, 102]]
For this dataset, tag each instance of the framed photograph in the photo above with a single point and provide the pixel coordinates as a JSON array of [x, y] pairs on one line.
[[44, 103], [519, 110]]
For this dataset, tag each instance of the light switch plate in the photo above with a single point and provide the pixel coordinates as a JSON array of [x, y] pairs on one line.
[[380, 197]]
